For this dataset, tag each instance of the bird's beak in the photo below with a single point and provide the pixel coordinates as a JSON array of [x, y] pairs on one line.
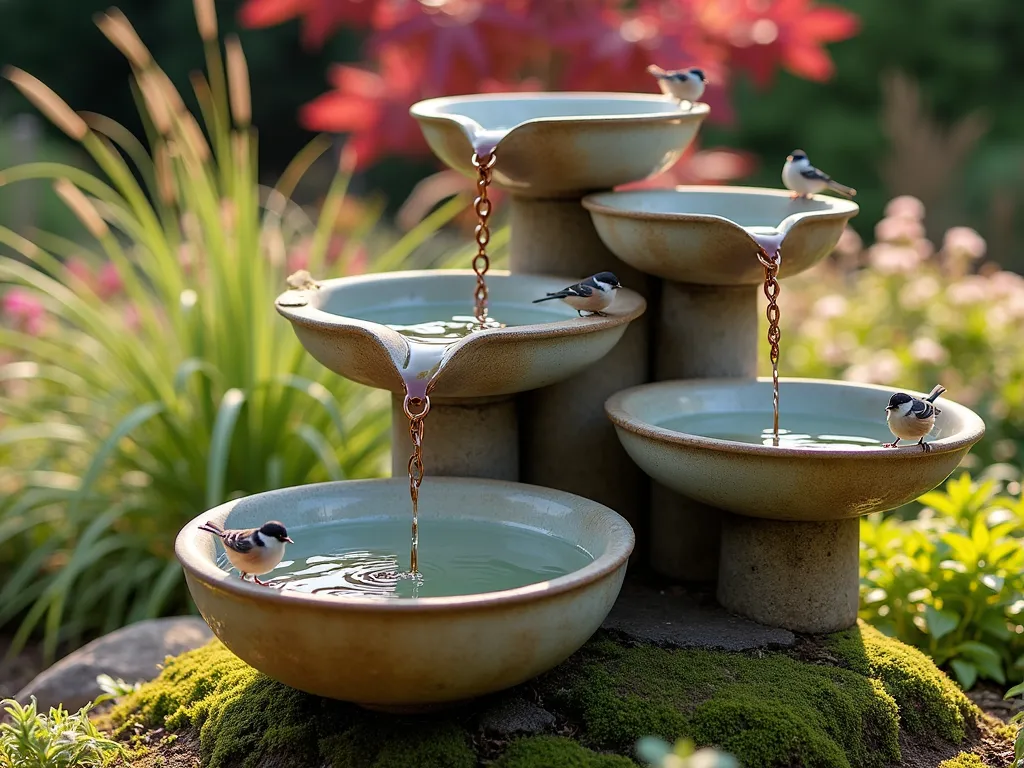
[[789, 158], [289, 539], [888, 407]]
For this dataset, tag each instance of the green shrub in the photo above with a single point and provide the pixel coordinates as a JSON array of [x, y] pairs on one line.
[[60, 739], [951, 581], [129, 406], [906, 314]]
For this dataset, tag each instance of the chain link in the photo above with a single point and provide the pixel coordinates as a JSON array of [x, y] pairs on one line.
[[772, 289], [411, 406], [482, 206]]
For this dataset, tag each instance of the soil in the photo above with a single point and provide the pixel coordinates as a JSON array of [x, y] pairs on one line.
[[989, 698]]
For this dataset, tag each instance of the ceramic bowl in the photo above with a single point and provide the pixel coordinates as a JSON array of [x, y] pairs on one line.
[[784, 483], [409, 654], [705, 234], [561, 144], [341, 325]]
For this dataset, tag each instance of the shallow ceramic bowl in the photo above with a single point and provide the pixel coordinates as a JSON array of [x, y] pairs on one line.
[[783, 483], [409, 654], [704, 235], [340, 324], [561, 144]]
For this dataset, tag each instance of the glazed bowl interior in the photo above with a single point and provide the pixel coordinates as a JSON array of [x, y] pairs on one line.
[[344, 325], [405, 653], [711, 440]]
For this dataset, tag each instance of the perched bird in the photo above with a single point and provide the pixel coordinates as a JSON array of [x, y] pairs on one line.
[[680, 84], [252, 550], [592, 295], [910, 418], [804, 180]]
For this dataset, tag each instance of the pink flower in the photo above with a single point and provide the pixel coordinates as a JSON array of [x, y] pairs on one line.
[[969, 290], [25, 310], [109, 282], [929, 351], [830, 306], [905, 207], [899, 229], [894, 259], [131, 318], [964, 241], [80, 269]]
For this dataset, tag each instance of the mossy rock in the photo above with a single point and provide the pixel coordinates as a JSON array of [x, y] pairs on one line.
[[856, 699]]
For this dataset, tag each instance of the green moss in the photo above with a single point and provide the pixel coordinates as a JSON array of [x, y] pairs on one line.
[[243, 717], [767, 710], [929, 702], [556, 752], [843, 709], [963, 760]]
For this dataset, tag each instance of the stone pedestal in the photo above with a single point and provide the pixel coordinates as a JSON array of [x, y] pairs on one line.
[[701, 332], [799, 576], [465, 438], [566, 441]]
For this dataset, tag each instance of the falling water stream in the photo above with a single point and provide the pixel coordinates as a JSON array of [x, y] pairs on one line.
[[428, 342], [769, 240]]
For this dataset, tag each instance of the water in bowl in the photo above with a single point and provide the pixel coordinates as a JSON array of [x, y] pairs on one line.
[[366, 558], [801, 430]]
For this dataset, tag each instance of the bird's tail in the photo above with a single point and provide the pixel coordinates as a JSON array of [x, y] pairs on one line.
[[211, 527], [937, 390], [551, 296], [657, 71], [842, 189]]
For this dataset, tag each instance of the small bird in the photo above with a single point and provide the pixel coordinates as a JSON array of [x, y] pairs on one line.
[[909, 417], [252, 550], [804, 180], [680, 84], [592, 295]]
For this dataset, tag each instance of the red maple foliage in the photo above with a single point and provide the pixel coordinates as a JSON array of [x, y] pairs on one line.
[[425, 48]]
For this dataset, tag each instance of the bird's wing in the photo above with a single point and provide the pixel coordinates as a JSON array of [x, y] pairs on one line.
[[580, 289], [814, 174], [922, 410], [239, 541]]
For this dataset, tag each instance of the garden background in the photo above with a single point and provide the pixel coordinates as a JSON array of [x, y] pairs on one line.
[[143, 377]]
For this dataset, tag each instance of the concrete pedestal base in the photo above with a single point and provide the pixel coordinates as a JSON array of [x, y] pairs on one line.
[[566, 442], [476, 438], [701, 332], [798, 576]]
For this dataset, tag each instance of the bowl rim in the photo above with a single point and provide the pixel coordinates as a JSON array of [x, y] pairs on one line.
[[616, 408], [186, 549], [430, 109], [630, 306], [595, 202]]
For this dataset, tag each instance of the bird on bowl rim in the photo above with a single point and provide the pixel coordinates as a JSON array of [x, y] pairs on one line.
[[593, 295], [252, 551], [680, 84], [803, 179], [909, 417]]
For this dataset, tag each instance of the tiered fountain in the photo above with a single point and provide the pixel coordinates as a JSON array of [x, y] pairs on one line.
[[491, 389]]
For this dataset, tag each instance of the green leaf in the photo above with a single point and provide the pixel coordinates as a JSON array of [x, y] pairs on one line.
[[940, 623], [966, 673], [1017, 690], [220, 445], [985, 658]]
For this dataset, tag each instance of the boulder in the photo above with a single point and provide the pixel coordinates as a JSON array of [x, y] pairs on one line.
[[133, 654]]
